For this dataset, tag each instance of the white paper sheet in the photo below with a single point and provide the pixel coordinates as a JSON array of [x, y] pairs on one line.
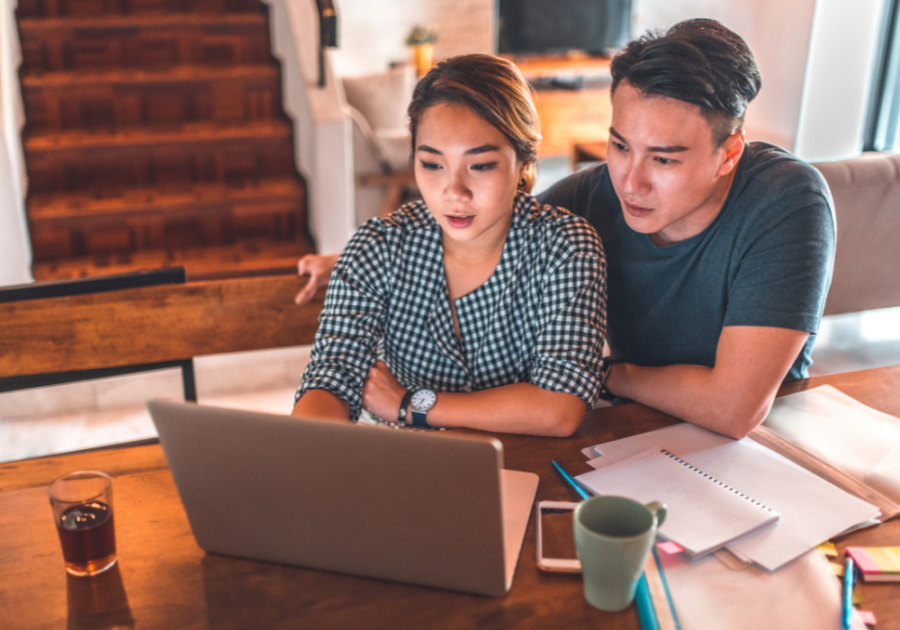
[[812, 510], [856, 439], [707, 594]]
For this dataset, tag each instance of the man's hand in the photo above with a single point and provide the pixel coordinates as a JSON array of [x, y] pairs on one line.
[[318, 267], [382, 393]]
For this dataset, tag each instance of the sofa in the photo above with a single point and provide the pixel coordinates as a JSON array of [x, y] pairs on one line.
[[866, 193]]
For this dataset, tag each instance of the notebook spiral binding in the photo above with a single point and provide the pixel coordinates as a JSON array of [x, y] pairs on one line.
[[713, 479]]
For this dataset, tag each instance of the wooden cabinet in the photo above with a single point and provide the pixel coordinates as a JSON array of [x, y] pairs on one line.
[[572, 98]]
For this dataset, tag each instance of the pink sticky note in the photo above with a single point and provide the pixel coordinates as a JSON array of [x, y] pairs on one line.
[[670, 547], [862, 558], [867, 616]]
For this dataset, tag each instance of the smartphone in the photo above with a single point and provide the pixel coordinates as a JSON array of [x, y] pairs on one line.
[[556, 537]]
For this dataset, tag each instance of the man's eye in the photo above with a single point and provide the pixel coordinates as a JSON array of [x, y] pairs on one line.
[[431, 166], [484, 167], [664, 160]]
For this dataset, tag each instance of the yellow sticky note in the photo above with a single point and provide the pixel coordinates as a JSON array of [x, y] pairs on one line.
[[837, 568], [828, 549], [857, 597]]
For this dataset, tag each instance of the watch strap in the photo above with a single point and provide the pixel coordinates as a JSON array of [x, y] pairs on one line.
[[419, 419], [404, 405]]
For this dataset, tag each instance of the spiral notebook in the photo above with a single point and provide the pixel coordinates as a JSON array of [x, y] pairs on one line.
[[703, 514]]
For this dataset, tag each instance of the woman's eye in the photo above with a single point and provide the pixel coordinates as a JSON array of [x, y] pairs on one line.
[[484, 167], [431, 166], [619, 146]]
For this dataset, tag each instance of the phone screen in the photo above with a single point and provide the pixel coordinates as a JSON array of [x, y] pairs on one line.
[[559, 537], [556, 547]]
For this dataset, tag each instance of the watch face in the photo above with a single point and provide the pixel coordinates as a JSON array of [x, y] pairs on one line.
[[424, 399]]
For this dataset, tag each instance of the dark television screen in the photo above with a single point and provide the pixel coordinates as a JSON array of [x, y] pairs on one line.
[[555, 26]]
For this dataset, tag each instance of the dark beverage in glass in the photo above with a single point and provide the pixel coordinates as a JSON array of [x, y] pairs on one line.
[[88, 538], [82, 507]]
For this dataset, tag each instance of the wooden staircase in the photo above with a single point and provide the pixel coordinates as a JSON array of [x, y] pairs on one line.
[[155, 137]]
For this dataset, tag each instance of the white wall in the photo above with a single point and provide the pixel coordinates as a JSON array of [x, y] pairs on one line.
[[15, 253], [322, 132], [839, 77], [372, 33], [777, 31]]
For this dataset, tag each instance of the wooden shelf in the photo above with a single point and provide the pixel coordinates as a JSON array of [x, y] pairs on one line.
[[570, 116]]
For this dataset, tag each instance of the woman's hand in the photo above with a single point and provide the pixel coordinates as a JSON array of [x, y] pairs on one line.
[[382, 393], [318, 267]]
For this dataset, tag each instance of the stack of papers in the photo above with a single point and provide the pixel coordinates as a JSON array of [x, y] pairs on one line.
[[812, 510], [857, 440]]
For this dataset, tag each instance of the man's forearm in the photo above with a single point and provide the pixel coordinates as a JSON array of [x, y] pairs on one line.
[[731, 398], [691, 393]]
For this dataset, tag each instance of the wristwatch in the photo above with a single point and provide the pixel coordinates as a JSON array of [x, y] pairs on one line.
[[401, 415], [422, 401]]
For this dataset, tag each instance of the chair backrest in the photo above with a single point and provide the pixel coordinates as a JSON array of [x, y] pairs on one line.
[[866, 193], [99, 284], [151, 325]]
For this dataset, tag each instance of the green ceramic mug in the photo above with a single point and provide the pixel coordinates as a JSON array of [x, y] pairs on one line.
[[613, 536]]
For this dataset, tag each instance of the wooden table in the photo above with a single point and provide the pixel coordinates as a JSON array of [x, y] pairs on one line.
[[163, 580]]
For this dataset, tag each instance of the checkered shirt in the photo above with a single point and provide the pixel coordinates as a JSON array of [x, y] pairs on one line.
[[540, 318]]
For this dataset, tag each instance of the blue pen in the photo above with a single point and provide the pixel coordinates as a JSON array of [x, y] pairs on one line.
[[582, 491], [646, 611], [849, 582]]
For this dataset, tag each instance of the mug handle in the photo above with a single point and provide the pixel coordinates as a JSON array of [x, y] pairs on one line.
[[660, 510]]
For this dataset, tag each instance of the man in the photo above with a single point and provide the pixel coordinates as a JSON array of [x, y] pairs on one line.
[[719, 252]]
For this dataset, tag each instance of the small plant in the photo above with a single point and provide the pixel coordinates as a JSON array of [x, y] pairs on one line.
[[420, 35]]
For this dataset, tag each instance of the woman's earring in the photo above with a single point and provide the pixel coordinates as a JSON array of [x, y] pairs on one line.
[[522, 183]]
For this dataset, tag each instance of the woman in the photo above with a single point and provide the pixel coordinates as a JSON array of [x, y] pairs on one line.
[[475, 307]]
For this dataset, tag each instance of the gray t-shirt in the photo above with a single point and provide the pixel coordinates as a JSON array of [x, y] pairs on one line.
[[765, 260]]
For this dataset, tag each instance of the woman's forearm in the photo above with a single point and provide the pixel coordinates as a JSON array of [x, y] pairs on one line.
[[518, 408], [320, 403]]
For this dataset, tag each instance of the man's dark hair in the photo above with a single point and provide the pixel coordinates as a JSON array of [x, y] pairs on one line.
[[699, 62]]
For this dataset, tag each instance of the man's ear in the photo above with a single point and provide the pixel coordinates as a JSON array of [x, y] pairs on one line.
[[734, 149]]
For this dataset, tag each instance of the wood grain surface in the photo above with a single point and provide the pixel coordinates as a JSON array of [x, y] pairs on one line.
[[153, 324], [164, 580]]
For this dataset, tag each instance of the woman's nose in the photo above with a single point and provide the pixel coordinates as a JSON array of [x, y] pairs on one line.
[[457, 187]]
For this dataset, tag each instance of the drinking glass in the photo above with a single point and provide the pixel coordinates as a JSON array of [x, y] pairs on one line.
[[83, 512]]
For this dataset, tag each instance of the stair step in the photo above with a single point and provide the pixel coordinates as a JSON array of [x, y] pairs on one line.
[[150, 78], [62, 8], [252, 258], [143, 41], [111, 101], [153, 201], [188, 133], [192, 154], [166, 21], [140, 219]]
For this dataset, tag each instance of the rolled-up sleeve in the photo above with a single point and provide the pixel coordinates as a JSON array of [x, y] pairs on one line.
[[351, 323], [569, 347]]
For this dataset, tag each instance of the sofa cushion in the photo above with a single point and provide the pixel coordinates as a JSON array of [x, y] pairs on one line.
[[866, 193]]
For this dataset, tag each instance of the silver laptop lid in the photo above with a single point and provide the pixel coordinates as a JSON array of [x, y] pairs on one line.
[[418, 507]]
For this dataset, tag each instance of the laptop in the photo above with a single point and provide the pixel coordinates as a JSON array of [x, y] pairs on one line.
[[422, 507]]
